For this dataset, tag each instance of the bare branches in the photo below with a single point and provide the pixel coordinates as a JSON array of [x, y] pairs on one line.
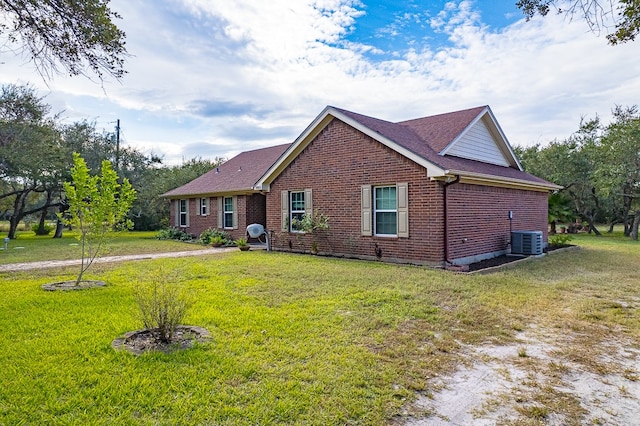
[[623, 16], [78, 35]]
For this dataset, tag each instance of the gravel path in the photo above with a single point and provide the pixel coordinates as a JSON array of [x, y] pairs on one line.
[[13, 267]]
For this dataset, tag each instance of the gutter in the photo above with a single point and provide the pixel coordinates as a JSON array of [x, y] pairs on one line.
[[446, 217]]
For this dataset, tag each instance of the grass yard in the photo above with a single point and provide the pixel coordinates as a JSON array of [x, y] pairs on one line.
[[296, 339], [30, 248]]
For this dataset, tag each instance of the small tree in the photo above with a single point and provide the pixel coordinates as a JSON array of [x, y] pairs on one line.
[[309, 224], [162, 305], [98, 206]]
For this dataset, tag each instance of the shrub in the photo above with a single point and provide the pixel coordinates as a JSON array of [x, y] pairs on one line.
[[311, 222], [211, 235], [163, 305], [559, 240], [45, 230], [173, 234]]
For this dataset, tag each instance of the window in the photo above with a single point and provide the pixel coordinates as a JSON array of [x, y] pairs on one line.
[[183, 213], [385, 211], [228, 212], [297, 209], [294, 205], [204, 206]]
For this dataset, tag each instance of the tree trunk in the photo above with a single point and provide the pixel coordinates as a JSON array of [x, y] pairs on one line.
[[626, 209], [634, 227], [59, 224], [59, 228], [13, 227], [43, 219], [592, 226], [43, 222], [18, 213]]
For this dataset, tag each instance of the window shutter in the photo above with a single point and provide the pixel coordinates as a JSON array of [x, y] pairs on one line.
[[177, 212], [220, 212], [188, 211], [284, 208], [235, 211], [403, 209], [366, 210], [198, 206], [308, 201]]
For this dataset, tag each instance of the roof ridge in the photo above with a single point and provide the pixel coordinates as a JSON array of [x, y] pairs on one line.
[[444, 114]]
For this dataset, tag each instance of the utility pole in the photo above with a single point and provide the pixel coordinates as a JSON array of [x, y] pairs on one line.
[[117, 144]]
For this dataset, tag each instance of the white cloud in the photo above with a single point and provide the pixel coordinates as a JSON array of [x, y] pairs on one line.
[[243, 74]]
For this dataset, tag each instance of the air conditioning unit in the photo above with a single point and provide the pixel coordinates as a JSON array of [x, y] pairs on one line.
[[526, 242]]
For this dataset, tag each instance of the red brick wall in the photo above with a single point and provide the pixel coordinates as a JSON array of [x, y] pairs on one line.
[[341, 159], [335, 166], [479, 217], [256, 211], [251, 209], [197, 224]]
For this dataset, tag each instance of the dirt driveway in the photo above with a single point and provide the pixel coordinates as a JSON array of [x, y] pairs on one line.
[[543, 378], [110, 259]]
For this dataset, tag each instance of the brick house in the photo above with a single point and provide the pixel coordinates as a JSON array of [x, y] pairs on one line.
[[225, 198], [439, 190]]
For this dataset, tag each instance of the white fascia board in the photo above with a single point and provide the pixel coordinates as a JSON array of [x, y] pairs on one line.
[[503, 142], [432, 169], [504, 181], [246, 191], [296, 147], [504, 139], [319, 123]]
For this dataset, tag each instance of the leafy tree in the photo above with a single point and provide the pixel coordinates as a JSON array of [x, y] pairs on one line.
[[75, 34], [560, 210], [98, 206], [595, 13], [599, 167], [571, 163], [150, 210], [32, 158], [620, 169]]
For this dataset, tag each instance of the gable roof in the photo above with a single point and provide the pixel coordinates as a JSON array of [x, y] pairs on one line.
[[237, 175], [428, 141]]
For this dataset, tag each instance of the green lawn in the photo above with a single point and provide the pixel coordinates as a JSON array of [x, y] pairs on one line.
[[30, 248], [296, 339]]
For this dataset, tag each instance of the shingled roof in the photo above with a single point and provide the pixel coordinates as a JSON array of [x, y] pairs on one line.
[[426, 141], [238, 175]]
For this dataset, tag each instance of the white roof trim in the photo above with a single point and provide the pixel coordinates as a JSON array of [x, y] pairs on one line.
[[481, 177], [503, 142], [321, 121]]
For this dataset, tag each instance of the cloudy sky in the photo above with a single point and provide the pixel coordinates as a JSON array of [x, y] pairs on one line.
[[213, 78]]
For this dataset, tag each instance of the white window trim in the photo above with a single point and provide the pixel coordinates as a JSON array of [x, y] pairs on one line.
[[226, 212], [204, 207], [184, 213], [376, 210], [367, 212], [292, 211]]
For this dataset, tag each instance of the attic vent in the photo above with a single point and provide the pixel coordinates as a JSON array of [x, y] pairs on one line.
[[526, 242]]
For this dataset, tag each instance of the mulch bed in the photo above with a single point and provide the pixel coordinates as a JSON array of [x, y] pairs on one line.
[[71, 285], [141, 341], [505, 259]]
